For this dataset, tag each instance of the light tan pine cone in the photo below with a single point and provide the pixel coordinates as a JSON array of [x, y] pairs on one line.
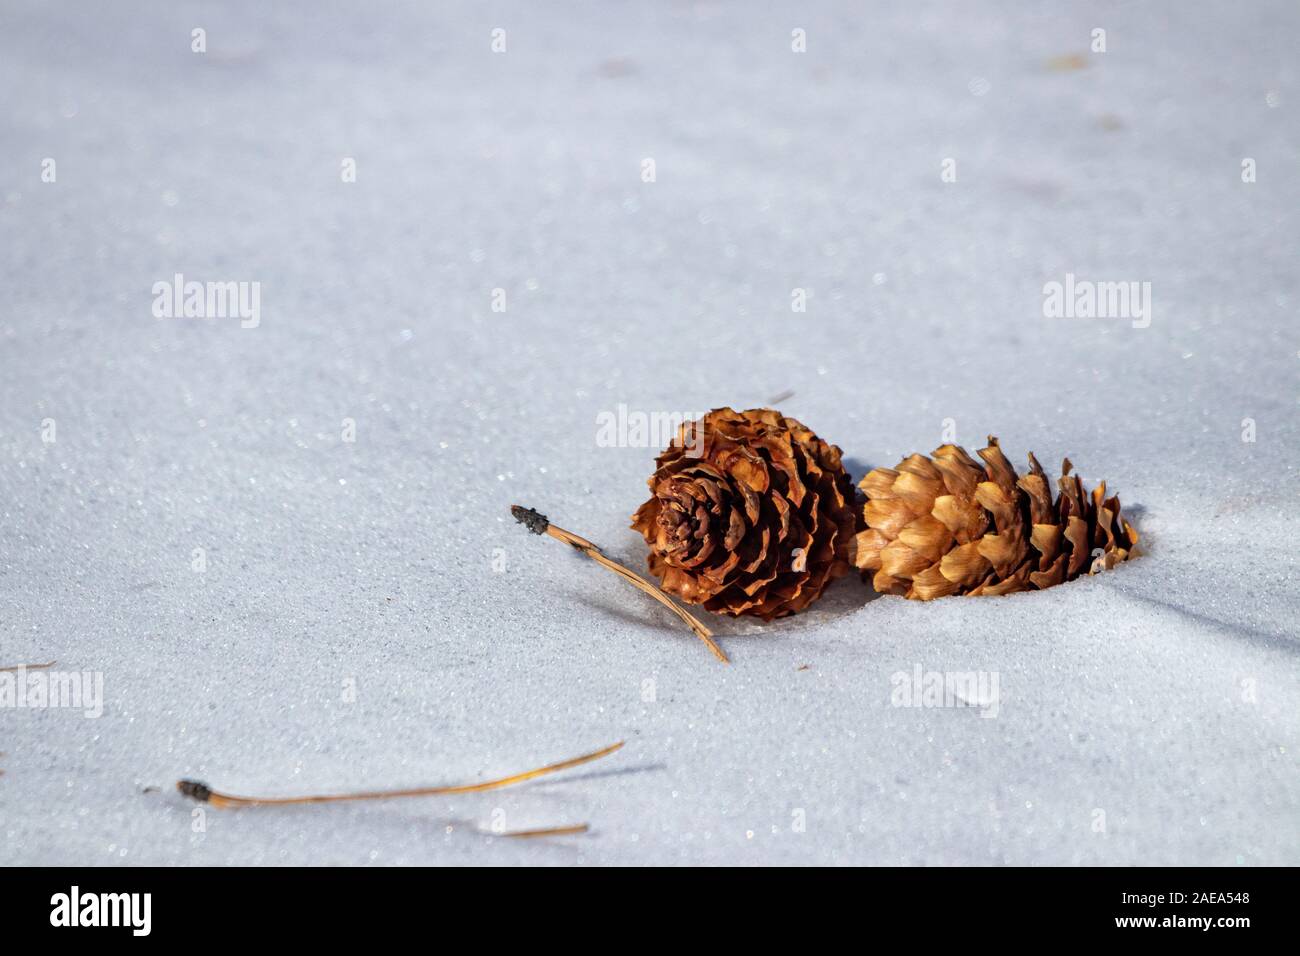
[[750, 513], [945, 525]]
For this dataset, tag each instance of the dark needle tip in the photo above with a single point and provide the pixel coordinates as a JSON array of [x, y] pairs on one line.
[[194, 789], [534, 521]]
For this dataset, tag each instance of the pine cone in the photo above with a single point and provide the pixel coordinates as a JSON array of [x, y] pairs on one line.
[[944, 525], [751, 513]]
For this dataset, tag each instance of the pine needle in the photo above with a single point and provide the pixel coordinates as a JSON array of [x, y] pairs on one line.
[[538, 523], [205, 794], [28, 667], [544, 832]]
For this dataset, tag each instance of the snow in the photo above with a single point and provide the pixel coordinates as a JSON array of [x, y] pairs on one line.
[[1150, 715]]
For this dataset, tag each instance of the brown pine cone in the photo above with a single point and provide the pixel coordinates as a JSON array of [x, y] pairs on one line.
[[944, 525], [751, 513]]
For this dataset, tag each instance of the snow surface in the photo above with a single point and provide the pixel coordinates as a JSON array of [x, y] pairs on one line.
[[1165, 695]]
